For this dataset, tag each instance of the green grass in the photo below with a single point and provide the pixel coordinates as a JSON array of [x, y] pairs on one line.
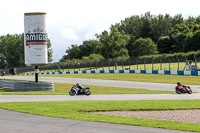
[[155, 78], [64, 88], [77, 110]]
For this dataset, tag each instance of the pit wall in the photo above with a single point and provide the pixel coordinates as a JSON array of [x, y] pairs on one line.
[[194, 73]]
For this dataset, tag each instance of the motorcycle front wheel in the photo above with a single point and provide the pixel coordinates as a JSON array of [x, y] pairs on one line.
[[178, 91], [72, 92]]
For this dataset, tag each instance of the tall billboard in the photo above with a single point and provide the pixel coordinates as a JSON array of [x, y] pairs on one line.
[[35, 39]]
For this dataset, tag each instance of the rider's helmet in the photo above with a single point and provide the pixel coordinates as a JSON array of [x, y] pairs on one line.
[[179, 84], [77, 84]]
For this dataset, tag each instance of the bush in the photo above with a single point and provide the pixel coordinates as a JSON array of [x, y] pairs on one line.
[[92, 58], [189, 55]]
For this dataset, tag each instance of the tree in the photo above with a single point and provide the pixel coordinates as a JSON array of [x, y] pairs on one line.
[[93, 58], [164, 44], [193, 42], [90, 47], [178, 34], [172, 34], [113, 44], [144, 47], [50, 50], [12, 51]]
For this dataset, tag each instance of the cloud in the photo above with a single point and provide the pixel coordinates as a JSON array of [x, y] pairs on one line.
[[70, 34], [74, 21]]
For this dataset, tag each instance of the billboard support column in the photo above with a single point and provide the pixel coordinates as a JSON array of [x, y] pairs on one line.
[[36, 73]]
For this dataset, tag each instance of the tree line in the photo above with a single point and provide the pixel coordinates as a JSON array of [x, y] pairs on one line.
[[142, 35], [135, 36]]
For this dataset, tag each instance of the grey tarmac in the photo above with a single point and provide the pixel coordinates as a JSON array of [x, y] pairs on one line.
[[16, 122], [108, 97], [108, 83]]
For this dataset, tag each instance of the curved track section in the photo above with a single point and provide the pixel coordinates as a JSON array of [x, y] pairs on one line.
[[109, 83], [16, 122]]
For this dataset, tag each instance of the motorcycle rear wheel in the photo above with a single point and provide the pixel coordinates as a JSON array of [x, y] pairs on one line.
[[87, 92], [189, 91]]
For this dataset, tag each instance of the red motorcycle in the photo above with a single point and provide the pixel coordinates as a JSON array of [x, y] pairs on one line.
[[183, 89]]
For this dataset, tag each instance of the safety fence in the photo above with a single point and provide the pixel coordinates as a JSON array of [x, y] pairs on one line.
[[175, 64]]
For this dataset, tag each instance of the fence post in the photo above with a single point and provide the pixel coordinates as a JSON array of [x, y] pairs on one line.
[[160, 63], [79, 66], [47, 67], [63, 66], [196, 63], [178, 62], [122, 64], [137, 63], [129, 64], [103, 64], [153, 63], [109, 63], [84, 65], [116, 65], [144, 64], [169, 63]]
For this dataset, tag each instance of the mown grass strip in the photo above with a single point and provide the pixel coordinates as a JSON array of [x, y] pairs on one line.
[[64, 88], [76, 110], [155, 78]]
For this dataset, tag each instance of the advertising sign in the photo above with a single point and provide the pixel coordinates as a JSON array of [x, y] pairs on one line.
[[35, 39]]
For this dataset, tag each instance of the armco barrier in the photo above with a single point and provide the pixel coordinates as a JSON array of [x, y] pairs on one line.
[[1, 83], [172, 72], [13, 85]]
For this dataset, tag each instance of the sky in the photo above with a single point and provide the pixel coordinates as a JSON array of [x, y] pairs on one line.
[[74, 21]]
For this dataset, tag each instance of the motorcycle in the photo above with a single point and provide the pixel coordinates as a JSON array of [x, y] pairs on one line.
[[186, 89], [76, 91]]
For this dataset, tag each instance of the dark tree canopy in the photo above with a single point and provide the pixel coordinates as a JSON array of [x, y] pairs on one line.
[[170, 34]]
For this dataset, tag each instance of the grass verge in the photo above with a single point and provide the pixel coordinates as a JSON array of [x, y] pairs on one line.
[[155, 78], [64, 88], [75, 110]]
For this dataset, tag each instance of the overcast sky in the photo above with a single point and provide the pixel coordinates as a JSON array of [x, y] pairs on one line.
[[73, 21]]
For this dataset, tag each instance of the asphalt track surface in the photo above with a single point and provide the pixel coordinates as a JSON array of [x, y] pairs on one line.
[[109, 83], [16, 122]]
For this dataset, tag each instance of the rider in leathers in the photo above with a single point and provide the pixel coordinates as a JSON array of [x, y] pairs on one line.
[[180, 86], [79, 87]]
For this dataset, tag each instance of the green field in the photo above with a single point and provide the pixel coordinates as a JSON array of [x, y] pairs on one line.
[[78, 110], [154, 78]]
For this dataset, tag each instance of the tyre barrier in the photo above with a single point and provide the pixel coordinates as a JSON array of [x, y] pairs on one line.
[[13, 85], [1, 83]]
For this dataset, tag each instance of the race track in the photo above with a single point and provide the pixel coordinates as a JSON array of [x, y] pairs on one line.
[[15, 122], [109, 83]]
